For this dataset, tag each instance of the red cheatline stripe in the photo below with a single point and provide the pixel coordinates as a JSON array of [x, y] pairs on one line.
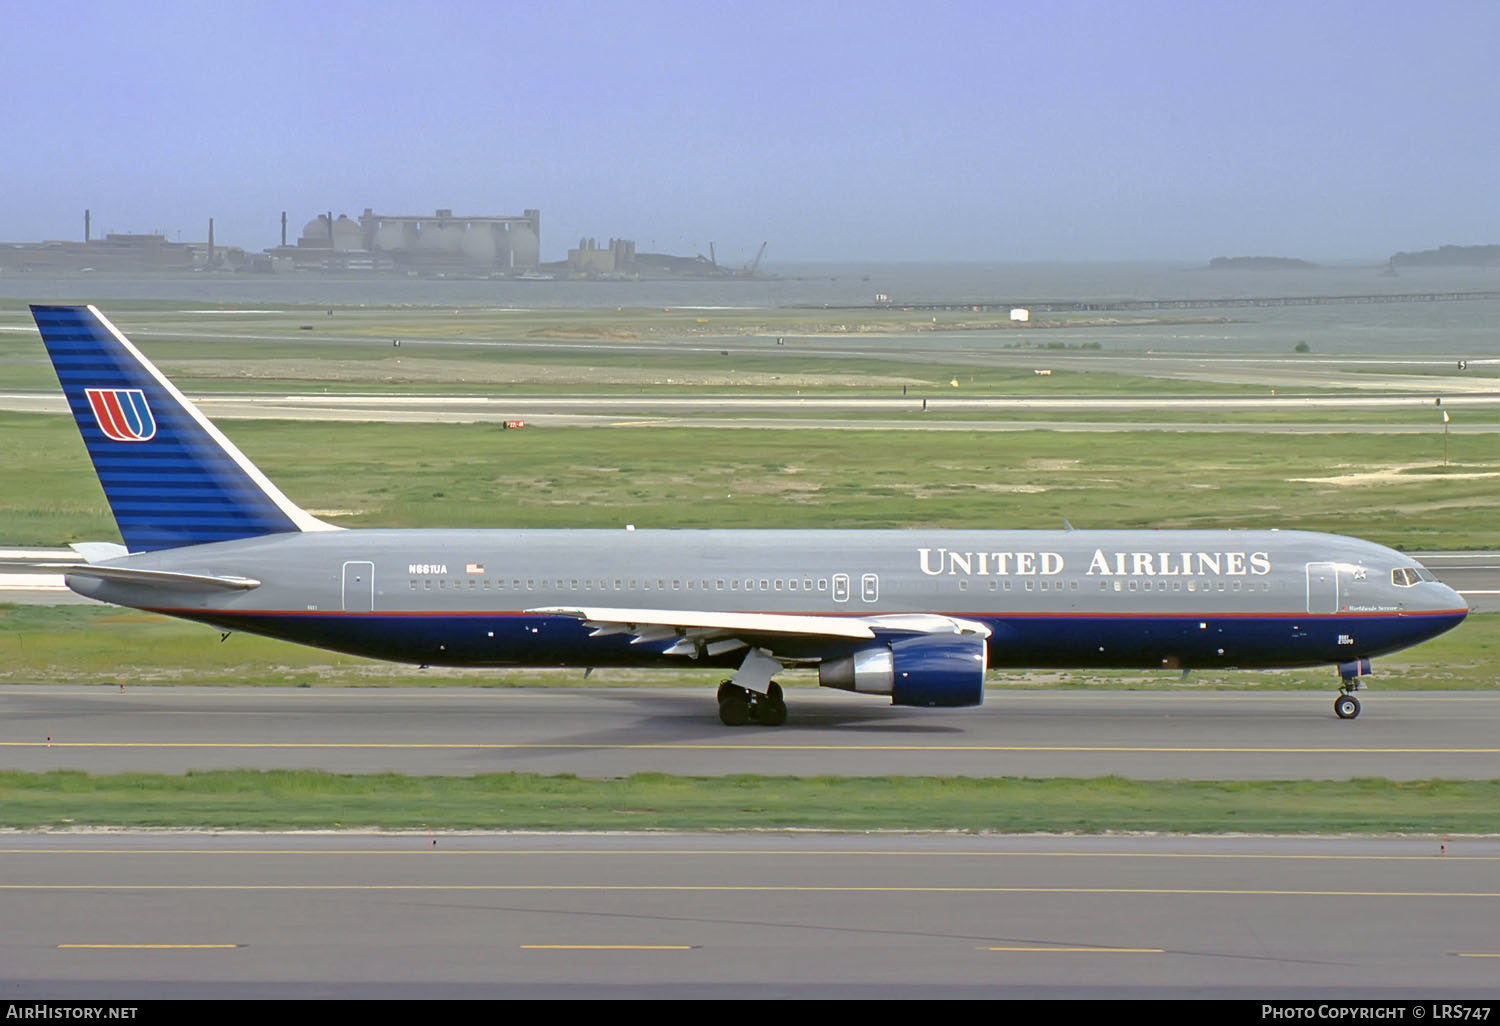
[[1012, 615]]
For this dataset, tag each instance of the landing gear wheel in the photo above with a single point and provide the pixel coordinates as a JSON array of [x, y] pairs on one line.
[[1346, 707], [739, 706], [734, 706], [770, 711]]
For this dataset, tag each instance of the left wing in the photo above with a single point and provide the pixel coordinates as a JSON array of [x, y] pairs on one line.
[[696, 632]]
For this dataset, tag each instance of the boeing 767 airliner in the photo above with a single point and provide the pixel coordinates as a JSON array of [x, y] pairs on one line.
[[917, 615]]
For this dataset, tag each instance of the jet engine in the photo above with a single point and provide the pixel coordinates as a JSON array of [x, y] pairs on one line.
[[945, 670]]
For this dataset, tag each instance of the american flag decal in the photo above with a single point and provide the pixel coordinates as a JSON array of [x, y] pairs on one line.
[[122, 414], [474, 568]]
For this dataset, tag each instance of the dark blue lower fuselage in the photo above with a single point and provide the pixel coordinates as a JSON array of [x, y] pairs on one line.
[[1041, 641]]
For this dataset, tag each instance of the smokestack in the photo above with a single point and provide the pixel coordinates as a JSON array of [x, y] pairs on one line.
[[283, 229], [210, 242], [85, 224], [330, 226]]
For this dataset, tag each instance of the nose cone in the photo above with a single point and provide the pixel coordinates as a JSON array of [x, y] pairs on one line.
[[1442, 608], [1448, 599]]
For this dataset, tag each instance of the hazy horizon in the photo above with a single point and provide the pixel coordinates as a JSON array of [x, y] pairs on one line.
[[836, 132]]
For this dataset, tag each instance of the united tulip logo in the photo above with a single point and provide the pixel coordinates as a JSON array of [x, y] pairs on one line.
[[122, 414]]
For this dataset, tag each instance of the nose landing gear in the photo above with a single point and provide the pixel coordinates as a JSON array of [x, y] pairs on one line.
[[1346, 706]]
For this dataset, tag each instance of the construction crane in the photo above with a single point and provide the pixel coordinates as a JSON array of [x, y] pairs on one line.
[[754, 265]]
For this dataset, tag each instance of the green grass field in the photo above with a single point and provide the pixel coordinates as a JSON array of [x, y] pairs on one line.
[[306, 800], [1387, 488]]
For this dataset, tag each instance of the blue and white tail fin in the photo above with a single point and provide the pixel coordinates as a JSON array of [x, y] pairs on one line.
[[171, 477]]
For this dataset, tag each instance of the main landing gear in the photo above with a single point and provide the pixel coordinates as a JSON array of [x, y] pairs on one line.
[[740, 706], [751, 696]]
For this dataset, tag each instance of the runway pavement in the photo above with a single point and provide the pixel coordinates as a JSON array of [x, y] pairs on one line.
[[137, 916], [851, 413], [613, 732]]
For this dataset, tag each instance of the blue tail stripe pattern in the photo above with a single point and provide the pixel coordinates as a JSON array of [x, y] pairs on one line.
[[176, 487]]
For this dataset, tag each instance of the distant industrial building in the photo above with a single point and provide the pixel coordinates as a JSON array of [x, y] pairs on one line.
[[436, 243], [442, 244], [119, 253], [588, 258]]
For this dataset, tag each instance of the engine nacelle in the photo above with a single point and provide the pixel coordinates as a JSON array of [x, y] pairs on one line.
[[946, 670]]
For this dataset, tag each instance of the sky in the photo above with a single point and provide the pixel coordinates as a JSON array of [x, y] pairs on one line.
[[834, 131]]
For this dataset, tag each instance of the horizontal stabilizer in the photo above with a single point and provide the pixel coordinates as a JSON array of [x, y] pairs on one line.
[[99, 552], [165, 579]]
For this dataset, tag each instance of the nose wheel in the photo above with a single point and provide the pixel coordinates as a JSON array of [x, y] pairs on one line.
[[1346, 707]]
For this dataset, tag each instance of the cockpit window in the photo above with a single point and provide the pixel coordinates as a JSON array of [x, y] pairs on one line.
[[1405, 576], [1425, 574]]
